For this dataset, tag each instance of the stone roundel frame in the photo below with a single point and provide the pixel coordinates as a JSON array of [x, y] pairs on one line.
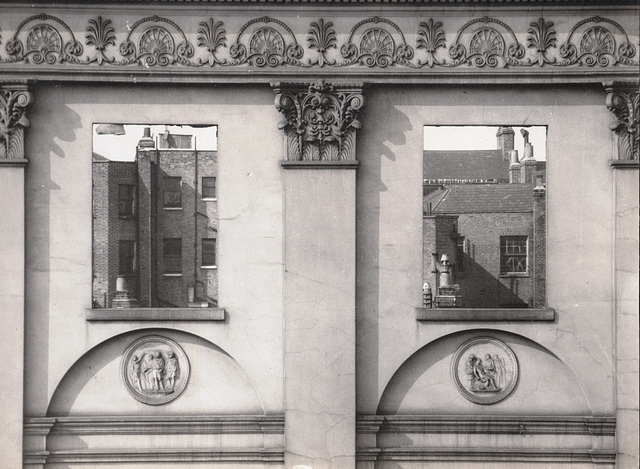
[[149, 344], [482, 345]]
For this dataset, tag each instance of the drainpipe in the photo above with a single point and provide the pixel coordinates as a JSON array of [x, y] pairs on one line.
[[195, 222]]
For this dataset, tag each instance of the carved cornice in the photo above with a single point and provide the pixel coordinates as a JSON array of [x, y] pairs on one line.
[[14, 101], [320, 120], [623, 101], [45, 43]]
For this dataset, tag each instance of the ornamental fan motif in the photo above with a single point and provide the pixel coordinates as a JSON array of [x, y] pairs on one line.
[[376, 42], [44, 38], [266, 41], [597, 41], [487, 41], [156, 41]]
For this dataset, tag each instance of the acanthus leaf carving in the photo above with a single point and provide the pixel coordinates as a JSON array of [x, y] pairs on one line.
[[431, 37], [542, 37], [623, 101], [100, 34], [319, 121], [212, 36], [322, 37], [14, 101]]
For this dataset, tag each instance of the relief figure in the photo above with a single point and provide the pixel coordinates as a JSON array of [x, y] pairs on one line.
[[481, 375], [171, 371]]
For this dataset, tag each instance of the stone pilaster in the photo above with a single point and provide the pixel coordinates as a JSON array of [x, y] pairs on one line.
[[14, 102], [623, 101], [320, 195]]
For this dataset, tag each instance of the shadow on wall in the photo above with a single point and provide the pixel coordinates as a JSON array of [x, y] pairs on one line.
[[217, 384], [481, 289], [423, 384], [372, 152], [51, 121]]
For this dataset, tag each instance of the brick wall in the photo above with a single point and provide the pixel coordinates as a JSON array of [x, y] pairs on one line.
[[481, 284]]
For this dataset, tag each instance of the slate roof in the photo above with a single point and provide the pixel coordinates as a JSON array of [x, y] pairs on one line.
[[481, 198], [465, 165]]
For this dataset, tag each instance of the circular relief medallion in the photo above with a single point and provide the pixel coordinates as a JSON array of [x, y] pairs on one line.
[[485, 370], [155, 370]]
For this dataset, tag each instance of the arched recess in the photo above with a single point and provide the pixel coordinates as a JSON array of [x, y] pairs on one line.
[[422, 385], [217, 384]]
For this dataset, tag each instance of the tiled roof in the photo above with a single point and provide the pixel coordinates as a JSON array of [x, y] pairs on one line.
[[481, 198], [465, 165]]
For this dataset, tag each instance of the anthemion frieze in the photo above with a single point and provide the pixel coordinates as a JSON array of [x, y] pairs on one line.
[[417, 46]]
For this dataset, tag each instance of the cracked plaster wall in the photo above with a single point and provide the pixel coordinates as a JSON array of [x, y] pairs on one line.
[[58, 265], [579, 247]]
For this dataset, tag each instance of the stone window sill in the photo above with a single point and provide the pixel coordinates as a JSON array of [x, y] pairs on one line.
[[155, 314], [485, 314], [209, 267], [172, 209], [171, 275]]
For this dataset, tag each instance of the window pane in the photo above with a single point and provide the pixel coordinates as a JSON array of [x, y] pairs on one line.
[[208, 188], [513, 254], [172, 192], [208, 252], [172, 255], [125, 200]]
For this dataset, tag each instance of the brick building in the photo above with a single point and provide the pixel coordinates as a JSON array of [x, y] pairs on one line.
[[155, 226], [488, 217]]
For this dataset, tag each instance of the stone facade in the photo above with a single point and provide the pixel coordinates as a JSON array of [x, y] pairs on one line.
[[319, 353]]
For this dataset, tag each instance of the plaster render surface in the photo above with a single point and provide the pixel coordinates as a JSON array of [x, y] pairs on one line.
[[59, 225], [12, 307], [320, 391], [579, 243]]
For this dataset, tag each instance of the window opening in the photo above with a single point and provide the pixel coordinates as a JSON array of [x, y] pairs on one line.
[[484, 214], [208, 252], [126, 200], [151, 222], [208, 187], [172, 192]]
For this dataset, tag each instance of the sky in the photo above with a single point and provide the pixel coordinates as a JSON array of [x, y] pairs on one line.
[[482, 138], [123, 147]]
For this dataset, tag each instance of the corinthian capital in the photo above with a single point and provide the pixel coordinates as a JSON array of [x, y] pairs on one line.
[[14, 101], [320, 120], [622, 101]]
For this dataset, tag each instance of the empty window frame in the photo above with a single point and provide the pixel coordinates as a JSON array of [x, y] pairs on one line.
[[514, 255], [172, 192], [208, 187], [172, 255], [208, 252]]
